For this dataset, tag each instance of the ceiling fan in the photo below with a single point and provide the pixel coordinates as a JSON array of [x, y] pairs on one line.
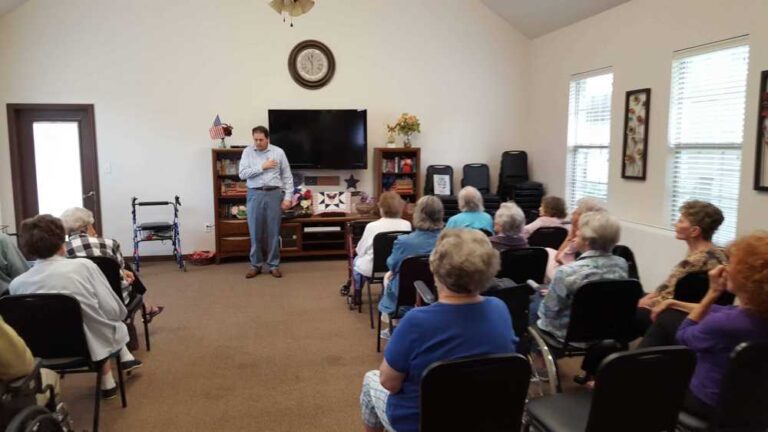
[[292, 8]]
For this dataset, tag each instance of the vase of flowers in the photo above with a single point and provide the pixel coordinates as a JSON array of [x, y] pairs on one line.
[[391, 131], [406, 125]]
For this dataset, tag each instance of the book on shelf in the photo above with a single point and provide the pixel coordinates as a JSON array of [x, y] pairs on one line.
[[397, 165], [228, 166], [233, 188]]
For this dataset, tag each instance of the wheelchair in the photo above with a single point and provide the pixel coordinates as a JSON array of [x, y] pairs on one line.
[[19, 411]]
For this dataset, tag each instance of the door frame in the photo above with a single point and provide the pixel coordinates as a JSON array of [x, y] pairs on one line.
[[89, 163]]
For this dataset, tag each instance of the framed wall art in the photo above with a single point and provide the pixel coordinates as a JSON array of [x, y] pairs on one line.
[[634, 162], [761, 159]]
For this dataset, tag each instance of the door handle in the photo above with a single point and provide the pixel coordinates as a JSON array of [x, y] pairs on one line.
[[89, 194]]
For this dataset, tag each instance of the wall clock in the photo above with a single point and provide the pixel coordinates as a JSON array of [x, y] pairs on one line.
[[311, 64]]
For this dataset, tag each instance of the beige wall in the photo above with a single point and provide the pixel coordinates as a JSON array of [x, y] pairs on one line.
[[159, 71], [637, 40]]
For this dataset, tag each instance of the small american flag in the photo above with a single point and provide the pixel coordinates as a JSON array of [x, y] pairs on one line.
[[217, 131]]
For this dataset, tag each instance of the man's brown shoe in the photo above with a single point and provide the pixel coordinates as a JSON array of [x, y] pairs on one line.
[[276, 273], [252, 273]]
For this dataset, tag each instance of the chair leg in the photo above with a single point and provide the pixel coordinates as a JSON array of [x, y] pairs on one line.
[[378, 336], [121, 381], [146, 326], [370, 304], [97, 402]]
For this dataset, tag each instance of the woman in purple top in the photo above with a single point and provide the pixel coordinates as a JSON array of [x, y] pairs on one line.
[[461, 324], [713, 331]]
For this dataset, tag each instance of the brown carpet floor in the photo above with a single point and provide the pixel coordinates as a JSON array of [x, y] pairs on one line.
[[230, 354]]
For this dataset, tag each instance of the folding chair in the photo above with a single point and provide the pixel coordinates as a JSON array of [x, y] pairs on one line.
[[111, 270], [517, 299], [626, 253], [692, 288], [479, 394], [52, 327], [743, 406], [548, 237], [520, 265], [438, 170], [382, 249], [412, 270], [637, 391]]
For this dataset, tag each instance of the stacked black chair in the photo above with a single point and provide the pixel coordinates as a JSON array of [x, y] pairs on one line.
[[520, 265], [52, 327], [692, 288], [382, 249], [478, 175], [480, 394], [601, 311], [429, 179], [637, 391], [412, 270], [548, 237], [743, 406], [626, 253], [515, 185], [111, 270]]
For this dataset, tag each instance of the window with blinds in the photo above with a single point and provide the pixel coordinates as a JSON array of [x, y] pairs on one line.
[[589, 136], [706, 129]]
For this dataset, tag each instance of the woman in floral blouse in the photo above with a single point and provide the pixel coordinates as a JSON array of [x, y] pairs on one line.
[[697, 224]]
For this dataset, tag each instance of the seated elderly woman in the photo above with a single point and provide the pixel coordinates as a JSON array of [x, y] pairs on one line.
[[568, 250], [551, 214], [713, 331], [391, 209], [461, 324], [472, 213], [12, 262], [427, 223], [42, 237], [698, 222], [508, 224], [83, 241], [597, 234]]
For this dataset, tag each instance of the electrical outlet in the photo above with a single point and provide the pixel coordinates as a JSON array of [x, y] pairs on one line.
[[208, 227]]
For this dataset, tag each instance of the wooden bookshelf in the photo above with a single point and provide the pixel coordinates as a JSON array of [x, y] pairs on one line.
[[397, 169], [299, 237]]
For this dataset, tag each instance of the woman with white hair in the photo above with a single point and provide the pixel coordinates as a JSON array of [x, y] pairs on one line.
[[597, 234], [83, 241], [508, 223], [567, 252], [472, 213]]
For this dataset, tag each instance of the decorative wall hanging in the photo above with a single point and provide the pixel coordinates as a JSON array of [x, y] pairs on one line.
[[292, 8], [761, 159], [311, 64], [635, 156]]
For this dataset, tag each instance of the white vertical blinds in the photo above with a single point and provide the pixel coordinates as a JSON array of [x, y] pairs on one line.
[[706, 129], [589, 136]]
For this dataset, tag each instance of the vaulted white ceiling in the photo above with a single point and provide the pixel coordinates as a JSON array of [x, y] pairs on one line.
[[535, 18], [8, 5]]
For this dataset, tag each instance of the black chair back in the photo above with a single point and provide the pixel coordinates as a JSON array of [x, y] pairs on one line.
[[477, 175], [50, 324], [551, 237], [692, 288], [111, 270], [429, 178], [514, 163], [517, 299], [743, 406], [382, 248], [523, 264], [655, 379], [356, 230], [604, 310], [481, 394], [412, 269], [626, 253]]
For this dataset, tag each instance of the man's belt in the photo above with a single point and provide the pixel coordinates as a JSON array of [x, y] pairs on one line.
[[267, 188]]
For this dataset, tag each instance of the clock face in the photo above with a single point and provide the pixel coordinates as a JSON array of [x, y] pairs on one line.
[[311, 64]]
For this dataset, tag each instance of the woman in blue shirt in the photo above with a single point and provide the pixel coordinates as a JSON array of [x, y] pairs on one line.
[[472, 213], [461, 324]]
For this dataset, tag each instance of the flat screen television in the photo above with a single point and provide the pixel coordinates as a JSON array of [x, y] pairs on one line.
[[321, 139]]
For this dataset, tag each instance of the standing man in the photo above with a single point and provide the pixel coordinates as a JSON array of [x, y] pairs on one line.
[[267, 173]]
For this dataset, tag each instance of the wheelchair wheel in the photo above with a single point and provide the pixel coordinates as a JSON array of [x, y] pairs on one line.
[[34, 419], [544, 376]]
